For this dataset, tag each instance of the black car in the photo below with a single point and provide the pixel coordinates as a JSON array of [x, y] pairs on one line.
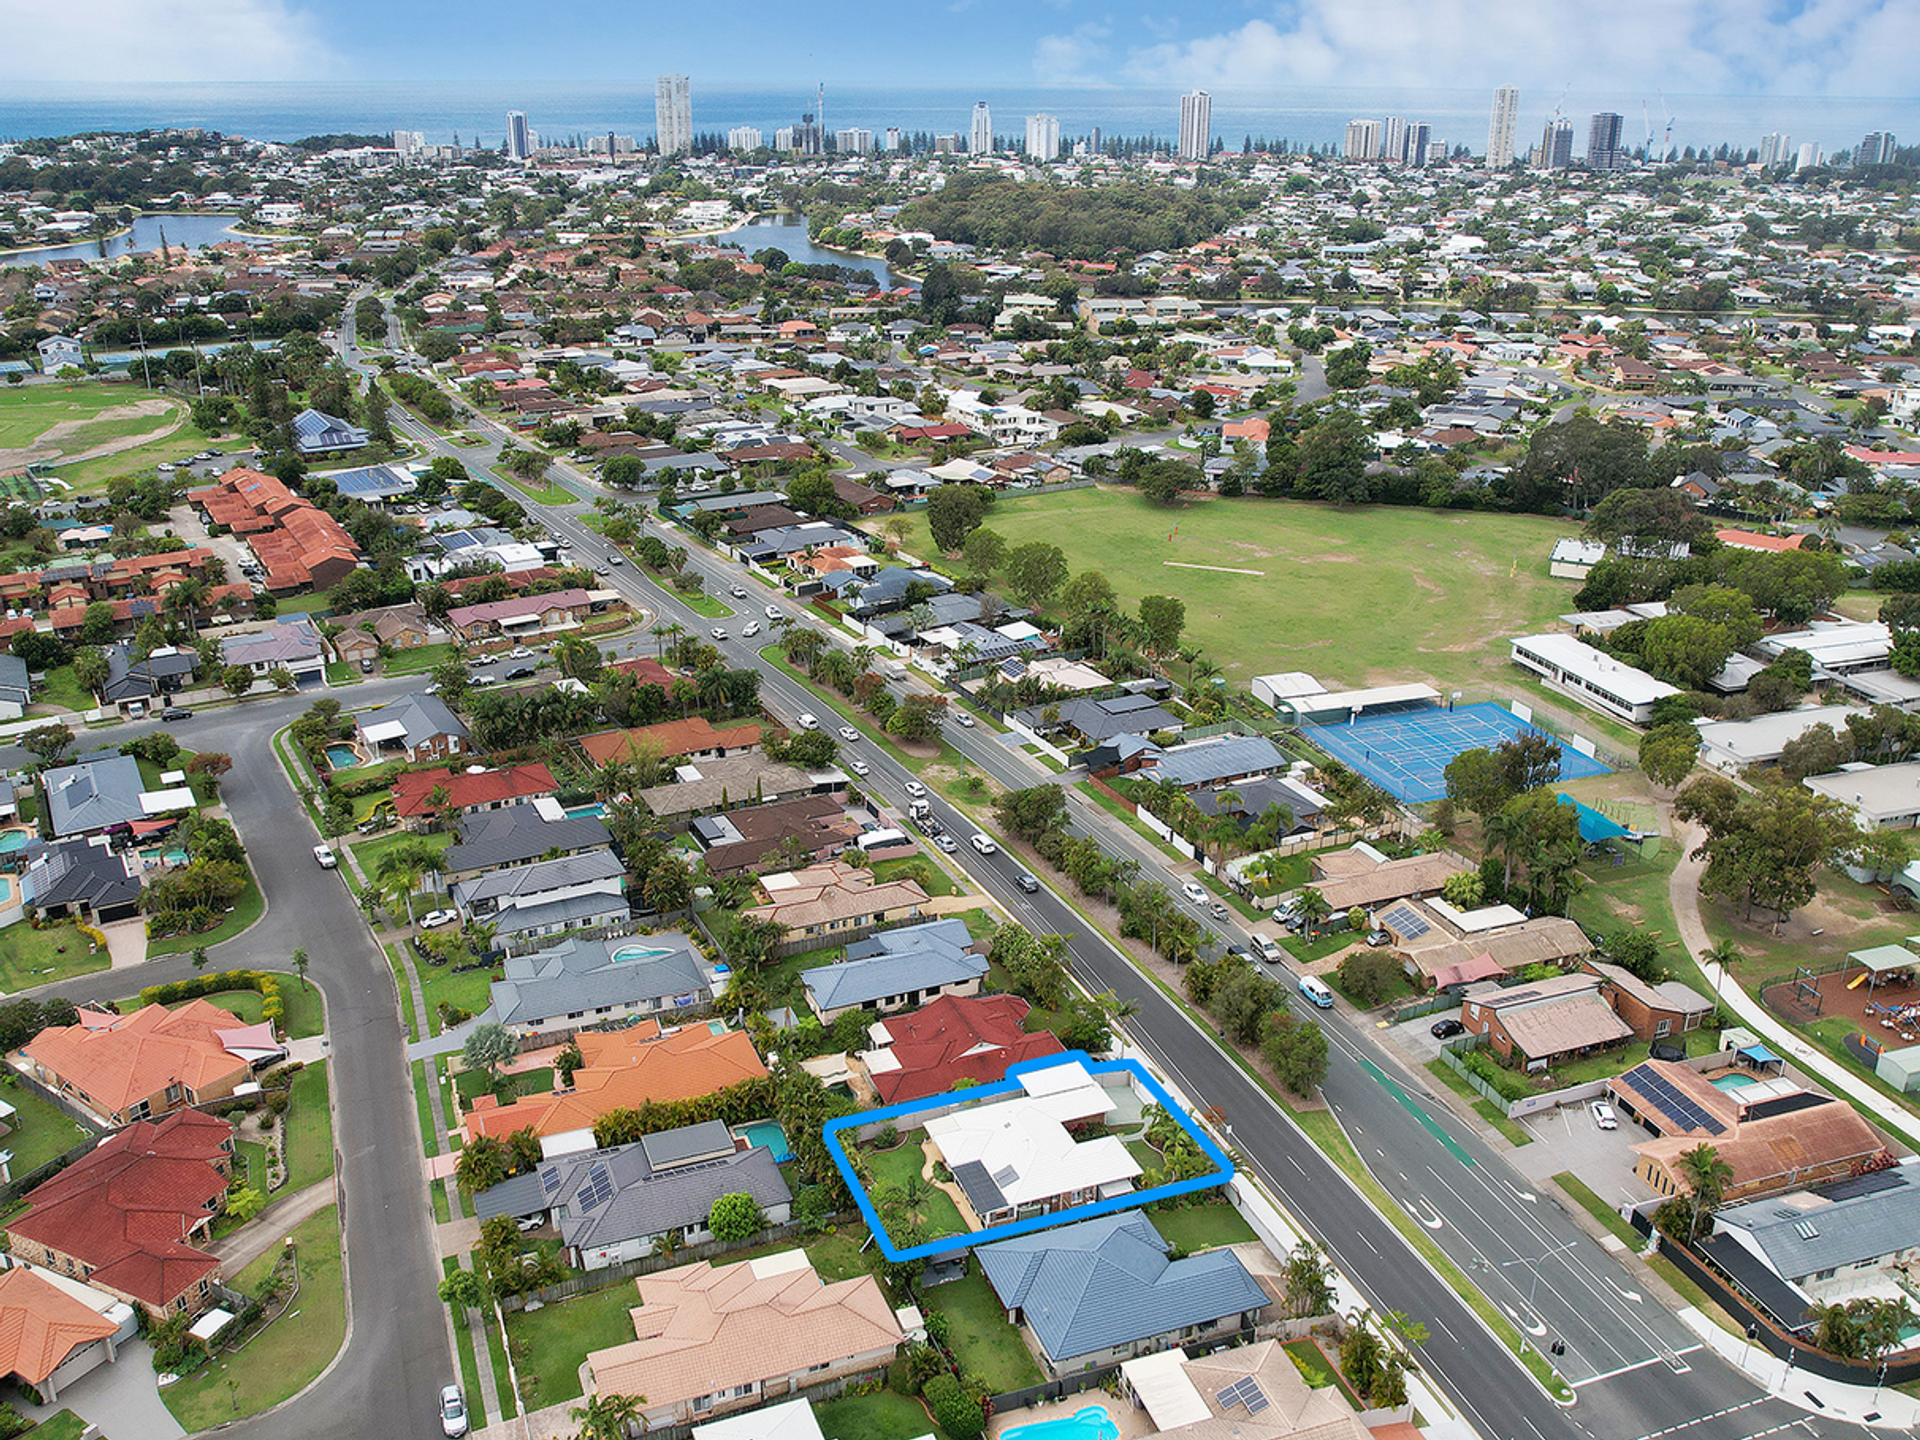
[[1447, 1029], [1027, 883], [175, 712], [520, 672]]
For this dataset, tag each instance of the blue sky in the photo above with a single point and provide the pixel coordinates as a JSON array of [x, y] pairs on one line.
[[1767, 47]]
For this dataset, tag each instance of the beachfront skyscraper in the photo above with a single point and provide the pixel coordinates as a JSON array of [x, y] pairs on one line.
[[1196, 125], [519, 137], [1502, 127], [673, 114], [980, 137]]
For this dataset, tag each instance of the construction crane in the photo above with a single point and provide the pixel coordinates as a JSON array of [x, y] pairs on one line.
[[1646, 150], [1666, 142]]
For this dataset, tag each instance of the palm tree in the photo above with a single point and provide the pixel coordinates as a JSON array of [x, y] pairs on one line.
[[665, 634], [1506, 833], [607, 1417], [1313, 909], [1708, 1174]]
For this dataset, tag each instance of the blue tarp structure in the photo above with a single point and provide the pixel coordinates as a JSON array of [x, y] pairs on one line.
[[1760, 1057], [1595, 827]]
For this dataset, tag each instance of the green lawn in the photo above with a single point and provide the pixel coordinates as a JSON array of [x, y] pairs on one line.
[[289, 1353], [40, 1130], [30, 957], [28, 412], [1318, 1369], [309, 1130], [932, 878], [939, 1215], [463, 1344], [64, 690], [989, 1349], [539, 494], [549, 1344], [1202, 1227], [885, 1416], [1494, 1115], [253, 1157], [368, 852], [65, 1425], [468, 990], [421, 658], [247, 909], [1583, 1196], [1457, 584]]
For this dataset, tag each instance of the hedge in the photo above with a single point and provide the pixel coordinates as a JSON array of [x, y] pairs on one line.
[[267, 986]]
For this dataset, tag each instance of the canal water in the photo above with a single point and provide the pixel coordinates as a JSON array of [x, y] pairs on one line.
[[184, 232]]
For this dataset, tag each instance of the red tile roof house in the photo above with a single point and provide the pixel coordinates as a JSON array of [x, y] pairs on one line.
[[418, 806], [954, 1038], [299, 545], [520, 615], [122, 1068], [124, 1217], [49, 1338]]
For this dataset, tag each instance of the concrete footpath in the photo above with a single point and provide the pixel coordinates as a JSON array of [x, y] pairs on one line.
[[1881, 1407]]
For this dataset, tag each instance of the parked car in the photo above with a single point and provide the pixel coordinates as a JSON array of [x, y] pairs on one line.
[[1603, 1115], [1027, 883], [1446, 1029], [847, 732], [434, 919], [324, 854], [453, 1412], [520, 672], [519, 652], [1377, 938], [176, 712]]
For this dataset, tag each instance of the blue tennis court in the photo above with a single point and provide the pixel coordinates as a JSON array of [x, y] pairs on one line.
[[1406, 752]]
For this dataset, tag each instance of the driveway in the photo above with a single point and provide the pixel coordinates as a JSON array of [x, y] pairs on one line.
[[1567, 1139], [121, 1399]]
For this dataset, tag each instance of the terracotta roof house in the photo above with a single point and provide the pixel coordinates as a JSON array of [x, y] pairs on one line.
[[710, 1340], [694, 738], [132, 1067], [1748, 540], [298, 544], [49, 1338], [953, 1038], [1775, 1134], [521, 615], [466, 791], [123, 1217], [624, 1069]]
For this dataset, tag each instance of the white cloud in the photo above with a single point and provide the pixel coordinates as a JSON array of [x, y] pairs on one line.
[[131, 40], [1840, 47], [1061, 59]]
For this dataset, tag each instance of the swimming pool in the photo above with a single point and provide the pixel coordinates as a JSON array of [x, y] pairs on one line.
[[576, 812], [342, 757], [769, 1134], [639, 952], [11, 840], [1090, 1423], [168, 854], [1732, 1082], [6, 889]]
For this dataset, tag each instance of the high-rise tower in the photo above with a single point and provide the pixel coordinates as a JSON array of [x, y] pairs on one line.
[[1196, 125], [980, 137], [1603, 142], [519, 137], [673, 114], [1502, 127]]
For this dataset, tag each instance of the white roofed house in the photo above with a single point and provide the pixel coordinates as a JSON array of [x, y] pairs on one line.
[[1591, 676], [1015, 1157]]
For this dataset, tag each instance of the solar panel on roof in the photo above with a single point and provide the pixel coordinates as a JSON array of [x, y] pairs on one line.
[[598, 1189], [1005, 1176], [1406, 920], [1255, 1397], [550, 1178]]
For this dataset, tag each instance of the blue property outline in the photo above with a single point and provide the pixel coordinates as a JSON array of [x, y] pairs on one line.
[[1223, 1167]]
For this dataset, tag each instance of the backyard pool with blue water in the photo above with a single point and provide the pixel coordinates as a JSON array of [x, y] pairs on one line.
[[11, 840], [769, 1134], [1089, 1423], [342, 757]]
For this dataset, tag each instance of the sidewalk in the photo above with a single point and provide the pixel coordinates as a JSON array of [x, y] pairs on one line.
[[1684, 891], [1882, 1407]]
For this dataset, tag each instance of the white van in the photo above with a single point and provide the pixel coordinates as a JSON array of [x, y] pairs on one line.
[[1315, 989], [984, 844], [808, 721], [1269, 951]]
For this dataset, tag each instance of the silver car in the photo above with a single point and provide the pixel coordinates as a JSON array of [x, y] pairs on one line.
[[453, 1411]]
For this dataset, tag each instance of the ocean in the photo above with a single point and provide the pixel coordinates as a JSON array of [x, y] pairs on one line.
[[476, 113]]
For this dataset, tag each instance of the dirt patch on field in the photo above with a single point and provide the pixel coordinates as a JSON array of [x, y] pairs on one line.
[[49, 445]]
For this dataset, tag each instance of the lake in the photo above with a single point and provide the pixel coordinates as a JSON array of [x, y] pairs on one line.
[[792, 238], [184, 232]]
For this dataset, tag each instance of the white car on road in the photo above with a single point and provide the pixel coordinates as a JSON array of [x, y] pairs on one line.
[[916, 789], [773, 612], [847, 732]]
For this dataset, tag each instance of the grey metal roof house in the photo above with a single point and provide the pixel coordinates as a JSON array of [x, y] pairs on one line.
[[80, 877], [580, 983], [612, 1205], [374, 485], [519, 835], [548, 896], [94, 795], [316, 433], [1208, 762], [160, 672], [1104, 1289], [898, 969], [1829, 1242], [420, 726], [16, 689]]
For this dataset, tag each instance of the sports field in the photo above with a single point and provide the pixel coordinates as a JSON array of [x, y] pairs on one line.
[[1356, 597], [87, 432]]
